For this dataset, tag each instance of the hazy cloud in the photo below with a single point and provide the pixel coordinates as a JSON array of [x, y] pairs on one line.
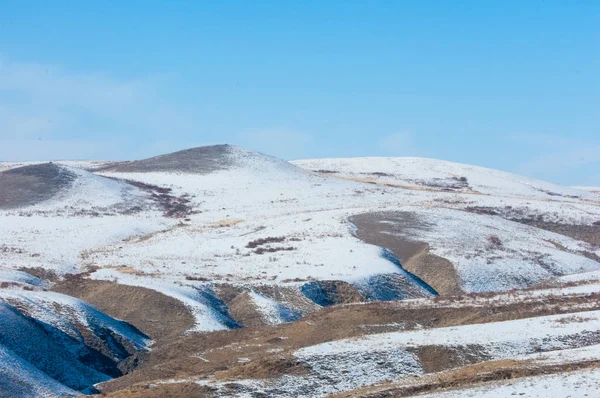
[[47, 112]]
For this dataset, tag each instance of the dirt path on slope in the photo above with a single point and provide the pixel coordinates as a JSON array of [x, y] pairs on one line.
[[390, 230]]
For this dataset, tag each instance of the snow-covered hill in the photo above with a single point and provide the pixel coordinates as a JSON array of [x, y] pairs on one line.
[[242, 239], [51, 213], [53, 187], [440, 175]]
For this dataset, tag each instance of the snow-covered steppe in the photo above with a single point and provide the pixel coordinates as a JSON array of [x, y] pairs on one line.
[[231, 246]]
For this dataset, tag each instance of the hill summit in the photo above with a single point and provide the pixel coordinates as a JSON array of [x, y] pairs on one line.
[[200, 160]]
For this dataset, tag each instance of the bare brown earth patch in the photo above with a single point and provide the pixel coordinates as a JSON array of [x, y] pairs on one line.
[[584, 233], [391, 230], [243, 310], [159, 316], [435, 358], [265, 368], [42, 273]]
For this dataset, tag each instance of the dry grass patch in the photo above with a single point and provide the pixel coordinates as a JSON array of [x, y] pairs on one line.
[[573, 319], [265, 368], [227, 222], [132, 271]]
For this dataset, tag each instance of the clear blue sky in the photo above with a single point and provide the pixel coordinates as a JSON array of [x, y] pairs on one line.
[[513, 85]]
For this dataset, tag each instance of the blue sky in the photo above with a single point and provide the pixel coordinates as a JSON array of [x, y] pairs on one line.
[[513, 85]]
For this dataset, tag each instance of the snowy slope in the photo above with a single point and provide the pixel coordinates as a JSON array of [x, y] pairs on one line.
[[577, 384], [57, 243], [493, 254], [19, 278], [256, 220], [46, 340], [19, 378], [258, 197], [499, 339], [439, 174], [64, 188], [74, 210], [258, 225], [345, 365], [210, 314]]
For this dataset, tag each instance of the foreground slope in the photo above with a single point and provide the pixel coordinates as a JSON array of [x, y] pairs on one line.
[[56, 345], [382, 349]]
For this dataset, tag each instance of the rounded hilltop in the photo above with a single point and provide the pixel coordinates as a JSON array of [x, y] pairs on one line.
[[29, 185], [53, 185], [200, 160]]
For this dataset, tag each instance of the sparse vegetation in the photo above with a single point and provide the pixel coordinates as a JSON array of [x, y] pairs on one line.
[[263, 241], [227, 222], [196, 278], [495, 241], [263, 250]]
